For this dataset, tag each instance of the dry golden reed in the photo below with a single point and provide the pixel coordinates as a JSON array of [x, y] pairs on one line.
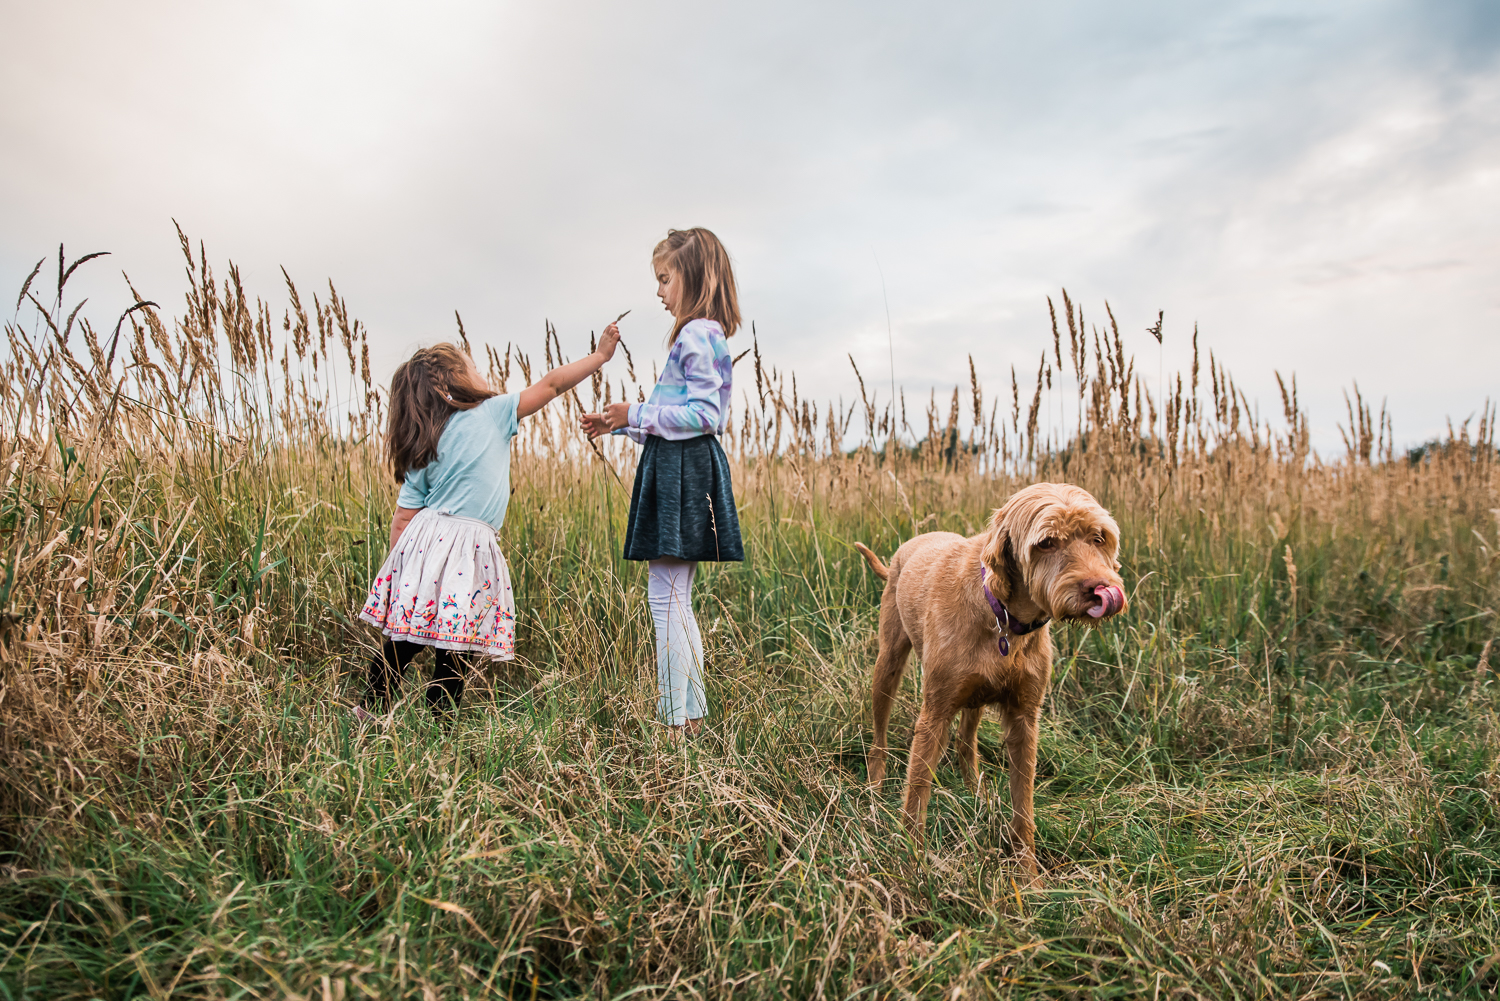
[[1276, 778]]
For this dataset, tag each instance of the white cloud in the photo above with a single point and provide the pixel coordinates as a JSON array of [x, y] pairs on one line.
[[1315, 187]]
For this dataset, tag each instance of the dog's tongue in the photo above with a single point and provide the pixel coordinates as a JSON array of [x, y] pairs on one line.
[[1111, 600]]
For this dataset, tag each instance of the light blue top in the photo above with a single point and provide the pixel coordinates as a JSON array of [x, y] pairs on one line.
[[471, 475], [692, 396]]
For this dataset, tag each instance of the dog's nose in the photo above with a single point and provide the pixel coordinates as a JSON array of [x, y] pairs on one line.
[[1108, 600]]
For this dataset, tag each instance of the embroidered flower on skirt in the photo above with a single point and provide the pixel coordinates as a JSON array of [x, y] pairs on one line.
[[446, 584]]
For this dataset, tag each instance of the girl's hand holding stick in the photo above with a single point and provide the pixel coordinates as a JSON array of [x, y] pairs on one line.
[[616, 415], [609, 340], [563, 378]]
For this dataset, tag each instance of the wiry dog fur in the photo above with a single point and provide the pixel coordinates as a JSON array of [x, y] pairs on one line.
[[1045, 551]]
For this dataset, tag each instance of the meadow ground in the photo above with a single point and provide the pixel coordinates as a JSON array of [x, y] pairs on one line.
[[1275, 777]]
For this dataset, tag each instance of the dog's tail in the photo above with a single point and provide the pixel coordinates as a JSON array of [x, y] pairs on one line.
[[881, 570]]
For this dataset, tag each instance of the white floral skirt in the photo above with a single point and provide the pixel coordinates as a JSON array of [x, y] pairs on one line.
[[446, 584]]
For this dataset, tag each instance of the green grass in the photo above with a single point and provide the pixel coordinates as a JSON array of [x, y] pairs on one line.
[[1224, 810], [1276, 776]]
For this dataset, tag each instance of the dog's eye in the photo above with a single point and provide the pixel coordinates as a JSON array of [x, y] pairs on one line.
[[1047, 544]]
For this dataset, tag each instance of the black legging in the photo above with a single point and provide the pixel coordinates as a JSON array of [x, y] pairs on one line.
[[389, 666]]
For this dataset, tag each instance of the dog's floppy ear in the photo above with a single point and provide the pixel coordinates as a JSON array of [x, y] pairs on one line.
[[998, 556]]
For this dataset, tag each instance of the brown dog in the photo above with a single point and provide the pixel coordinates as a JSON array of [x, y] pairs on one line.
[[1049, 553]]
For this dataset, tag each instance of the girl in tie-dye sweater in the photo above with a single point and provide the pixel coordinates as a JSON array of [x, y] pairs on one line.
[[682, 509]]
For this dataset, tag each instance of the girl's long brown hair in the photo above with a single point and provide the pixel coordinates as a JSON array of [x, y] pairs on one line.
[[425, 391], [701, 263]]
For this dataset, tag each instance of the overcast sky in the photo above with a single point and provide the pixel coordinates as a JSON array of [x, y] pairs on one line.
[[1316, 185]]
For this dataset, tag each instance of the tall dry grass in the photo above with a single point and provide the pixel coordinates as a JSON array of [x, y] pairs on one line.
[[1277, 777]]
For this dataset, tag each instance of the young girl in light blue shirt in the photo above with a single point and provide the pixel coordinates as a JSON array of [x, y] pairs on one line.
[[446, 584]]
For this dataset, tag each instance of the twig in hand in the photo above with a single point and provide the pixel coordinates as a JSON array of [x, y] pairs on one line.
[[592, 443]]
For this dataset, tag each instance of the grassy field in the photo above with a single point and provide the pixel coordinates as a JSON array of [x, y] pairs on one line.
[[1275, 777]]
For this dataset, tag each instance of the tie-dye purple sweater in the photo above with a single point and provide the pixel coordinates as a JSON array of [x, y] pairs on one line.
[[692, 396]]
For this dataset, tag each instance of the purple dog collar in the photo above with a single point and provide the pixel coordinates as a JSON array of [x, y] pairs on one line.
[[1004, 619]]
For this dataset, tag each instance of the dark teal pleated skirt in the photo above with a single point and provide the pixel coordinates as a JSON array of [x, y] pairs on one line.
[[683, 503]]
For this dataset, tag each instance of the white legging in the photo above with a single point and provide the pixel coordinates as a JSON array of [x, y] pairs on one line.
[[679, 646]]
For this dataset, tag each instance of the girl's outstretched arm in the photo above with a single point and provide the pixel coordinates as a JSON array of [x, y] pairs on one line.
[[563, 378]]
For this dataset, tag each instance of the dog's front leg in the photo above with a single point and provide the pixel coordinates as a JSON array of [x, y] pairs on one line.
[[927, 745], [1021, 726]]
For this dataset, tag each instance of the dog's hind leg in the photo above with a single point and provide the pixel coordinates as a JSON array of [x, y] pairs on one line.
[[968, 746], [890, 665]]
